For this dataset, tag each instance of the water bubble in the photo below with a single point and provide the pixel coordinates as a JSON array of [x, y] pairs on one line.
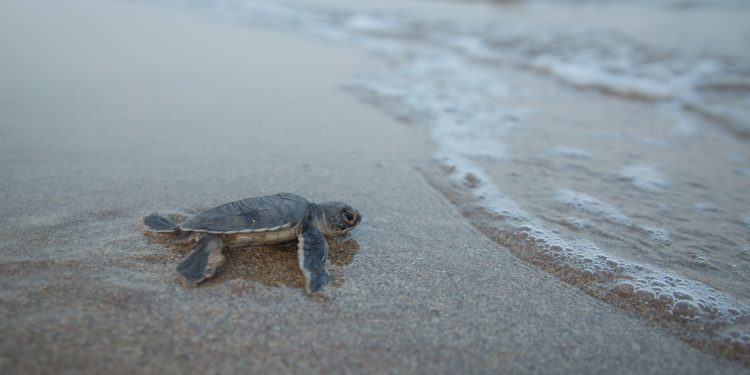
[[555, 248], [665, 298], [682, 295], [685, 308], [645, 294], [624, 288]]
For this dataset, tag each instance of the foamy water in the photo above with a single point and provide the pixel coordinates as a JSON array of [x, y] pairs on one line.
[[580, 149]]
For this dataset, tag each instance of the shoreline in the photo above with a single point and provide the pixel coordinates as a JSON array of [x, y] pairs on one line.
[[617, 287], [162, 110]]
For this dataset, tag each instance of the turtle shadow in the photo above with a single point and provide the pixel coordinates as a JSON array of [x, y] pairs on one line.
[[275, 265]]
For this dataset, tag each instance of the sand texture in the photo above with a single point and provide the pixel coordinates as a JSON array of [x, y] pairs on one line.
[[112, 110]]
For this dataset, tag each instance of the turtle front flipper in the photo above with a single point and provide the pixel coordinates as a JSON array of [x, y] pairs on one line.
[[312, 251], [204, 261]]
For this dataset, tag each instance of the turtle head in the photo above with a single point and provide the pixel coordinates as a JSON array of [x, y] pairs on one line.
[[336, 218]]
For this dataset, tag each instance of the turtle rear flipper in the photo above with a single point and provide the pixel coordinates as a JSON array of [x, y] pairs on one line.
[[160, 223], [312, 251], [204, 261]]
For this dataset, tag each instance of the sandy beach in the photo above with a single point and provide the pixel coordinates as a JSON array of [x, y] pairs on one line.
[[110, 110]]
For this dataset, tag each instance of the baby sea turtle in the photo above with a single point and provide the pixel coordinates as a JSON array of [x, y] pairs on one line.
[[266, 220]]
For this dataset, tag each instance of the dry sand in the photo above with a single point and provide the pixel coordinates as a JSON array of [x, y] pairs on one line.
[[110, 110]]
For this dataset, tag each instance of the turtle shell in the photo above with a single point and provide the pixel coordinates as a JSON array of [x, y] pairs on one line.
[[258, 214]]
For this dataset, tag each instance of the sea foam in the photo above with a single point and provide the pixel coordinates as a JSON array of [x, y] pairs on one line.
[[644, 177]]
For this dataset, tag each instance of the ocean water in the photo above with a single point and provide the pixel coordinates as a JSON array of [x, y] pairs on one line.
[[606, 143]]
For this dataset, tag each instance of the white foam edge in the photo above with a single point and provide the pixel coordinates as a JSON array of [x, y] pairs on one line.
[[591, 75], [646, 281]]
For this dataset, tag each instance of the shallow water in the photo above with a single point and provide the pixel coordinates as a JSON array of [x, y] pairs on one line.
[[607, 144]]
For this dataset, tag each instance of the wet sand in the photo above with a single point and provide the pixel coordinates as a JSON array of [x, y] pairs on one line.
[[111, 110]]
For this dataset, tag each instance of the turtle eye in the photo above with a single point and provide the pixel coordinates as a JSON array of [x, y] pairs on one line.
[[348, 216]]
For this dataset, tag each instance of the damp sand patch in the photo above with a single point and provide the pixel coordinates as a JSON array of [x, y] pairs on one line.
[[273, 265]]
